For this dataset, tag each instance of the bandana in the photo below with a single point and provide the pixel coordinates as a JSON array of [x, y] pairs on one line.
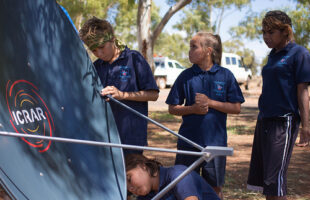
[[98, 40]]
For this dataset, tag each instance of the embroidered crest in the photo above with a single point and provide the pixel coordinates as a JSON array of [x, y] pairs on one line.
[[283, 60], [219, 88], [125, 73]]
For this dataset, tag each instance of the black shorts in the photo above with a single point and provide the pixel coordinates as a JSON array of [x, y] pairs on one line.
[[213, 171], [273, 144]]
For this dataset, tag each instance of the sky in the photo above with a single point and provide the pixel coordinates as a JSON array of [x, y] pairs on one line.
[[258, 46]]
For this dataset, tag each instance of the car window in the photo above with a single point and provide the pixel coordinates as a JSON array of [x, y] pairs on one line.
[[234, 61], [159, 64], [170, 64], [179, 66], [227, 60], [240, 63]]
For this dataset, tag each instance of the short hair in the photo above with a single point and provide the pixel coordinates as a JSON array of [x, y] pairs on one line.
[[134, 160], [213, 41], [277, 19], [94, 29]]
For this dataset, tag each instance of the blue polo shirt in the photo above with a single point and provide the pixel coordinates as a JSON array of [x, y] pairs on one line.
[[129, 73], [281, 75], [218, 84], [191, 185]]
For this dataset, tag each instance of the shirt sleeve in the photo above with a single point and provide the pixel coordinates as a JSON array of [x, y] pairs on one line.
[[234, 94], [302, 72], [186, 187], [144, 75], [176, 95]]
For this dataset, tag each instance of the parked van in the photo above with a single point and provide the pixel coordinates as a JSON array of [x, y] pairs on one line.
[[234, 63], [166, 71]]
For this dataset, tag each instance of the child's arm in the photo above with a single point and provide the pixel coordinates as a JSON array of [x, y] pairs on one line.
[[225, 107], [199, 109], [143, 95], [191, 198]]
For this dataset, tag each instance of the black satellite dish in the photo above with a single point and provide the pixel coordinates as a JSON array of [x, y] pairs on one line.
[[48, 87]]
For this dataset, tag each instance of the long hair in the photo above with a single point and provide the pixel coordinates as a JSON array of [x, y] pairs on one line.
[[279, 20], [134, 160], [213, 41]]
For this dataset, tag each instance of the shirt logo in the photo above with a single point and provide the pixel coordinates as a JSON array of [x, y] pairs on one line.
[[283, 60], [219, 88], [125, 73], [29, 113]]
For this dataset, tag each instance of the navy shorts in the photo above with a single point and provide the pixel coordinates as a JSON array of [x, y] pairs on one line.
[[273, 144], [213, 172]]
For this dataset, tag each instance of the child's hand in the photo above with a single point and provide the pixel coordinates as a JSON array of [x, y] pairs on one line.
[[113, 91], [200, 110], [201, 105], [201, 99]]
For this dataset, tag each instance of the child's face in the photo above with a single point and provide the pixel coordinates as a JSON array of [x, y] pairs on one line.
[[275, 38], [139, 181], [105, 52], [197, 54]]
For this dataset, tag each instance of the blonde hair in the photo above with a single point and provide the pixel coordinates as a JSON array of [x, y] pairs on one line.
[[279, 20], [213, 41]]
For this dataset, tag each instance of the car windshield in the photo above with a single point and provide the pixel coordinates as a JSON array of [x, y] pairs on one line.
[[240, 63], [179, 66]]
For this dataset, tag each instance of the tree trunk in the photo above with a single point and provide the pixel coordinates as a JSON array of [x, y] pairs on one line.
[[146, 39], [144, 30]]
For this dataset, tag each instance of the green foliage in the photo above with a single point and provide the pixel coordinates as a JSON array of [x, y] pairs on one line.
[[173, 46], [194, 21], [198, 16], [249, 28], [301, 24], [81, 10], [126, 23]]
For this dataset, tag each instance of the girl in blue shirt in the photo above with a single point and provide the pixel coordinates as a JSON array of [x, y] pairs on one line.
[[283, 104], [146, 177], [203, 95]]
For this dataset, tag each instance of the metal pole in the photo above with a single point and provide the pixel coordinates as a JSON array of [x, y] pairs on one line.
[[95, 143], [156, 123], [179, 178]]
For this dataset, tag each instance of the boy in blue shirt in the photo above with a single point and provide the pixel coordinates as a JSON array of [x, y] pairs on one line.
[[125, 75], [210, 92]]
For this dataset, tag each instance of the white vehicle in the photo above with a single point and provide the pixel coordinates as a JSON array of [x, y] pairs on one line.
[[234, 63], [166, 71]]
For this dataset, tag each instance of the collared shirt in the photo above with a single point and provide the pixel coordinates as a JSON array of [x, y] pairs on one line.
[[191, 185], [281, 75], [129, 73], [218, 84]]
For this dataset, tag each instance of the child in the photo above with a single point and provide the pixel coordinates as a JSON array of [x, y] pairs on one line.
[[283, 106], [146, 177], [210, 92], [125, 75]]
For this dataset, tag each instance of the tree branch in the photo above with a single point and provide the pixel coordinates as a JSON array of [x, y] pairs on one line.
[[172, 10]]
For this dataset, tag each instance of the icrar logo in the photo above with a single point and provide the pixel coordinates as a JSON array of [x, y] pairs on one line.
[[29, 113]]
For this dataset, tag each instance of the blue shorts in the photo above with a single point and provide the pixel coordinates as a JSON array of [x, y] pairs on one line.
[[213, 172]]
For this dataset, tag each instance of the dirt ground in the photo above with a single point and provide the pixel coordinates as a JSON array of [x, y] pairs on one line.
[[240, 137]]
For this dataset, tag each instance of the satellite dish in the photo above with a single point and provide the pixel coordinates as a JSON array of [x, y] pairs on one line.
[[48, 87]]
